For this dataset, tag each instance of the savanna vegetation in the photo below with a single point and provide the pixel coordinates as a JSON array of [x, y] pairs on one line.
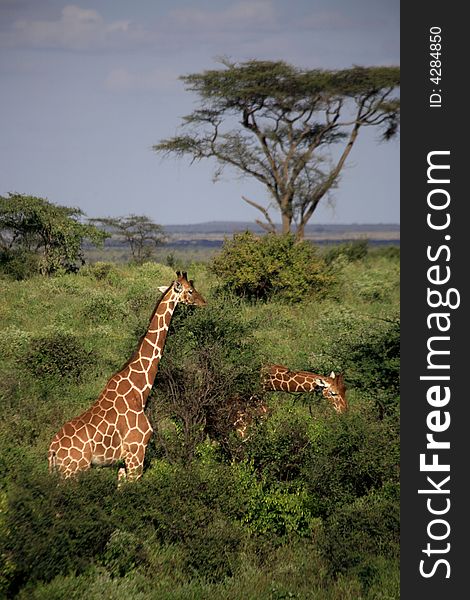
[[37, 236], [306, 506]]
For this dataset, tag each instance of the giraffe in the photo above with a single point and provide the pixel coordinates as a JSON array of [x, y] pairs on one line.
[[243, 415], [279, 378], [115, 427]]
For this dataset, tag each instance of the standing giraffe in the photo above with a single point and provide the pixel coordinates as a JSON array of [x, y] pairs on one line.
[[279, 378], [115, 427]]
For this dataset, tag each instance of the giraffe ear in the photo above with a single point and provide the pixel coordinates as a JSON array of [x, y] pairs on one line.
[[319, 381], [162, 288], [332, 375]]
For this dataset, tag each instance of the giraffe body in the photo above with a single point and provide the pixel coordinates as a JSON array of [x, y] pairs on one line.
[[115, 427], [280, 378], [245, 413]]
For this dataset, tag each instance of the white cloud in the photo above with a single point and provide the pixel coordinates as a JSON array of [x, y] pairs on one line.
[[76, 29], [83, 29], [245, 14]]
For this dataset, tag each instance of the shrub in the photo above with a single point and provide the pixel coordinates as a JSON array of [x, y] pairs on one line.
[[210, 358], [280, 447], [390, 252], [272, 508], [102, 271], [52, 528], [19, 263], [358, 535], [271, 266], [351, 251], [13, 342], [101, 308], [373, 365], [192, 507], [157, 273], [367, 351], [57, 354], [355, 455], [123, 553]]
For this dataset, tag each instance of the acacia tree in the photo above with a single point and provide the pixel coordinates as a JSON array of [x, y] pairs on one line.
[[32, 227], [278, 123], [138, 231]]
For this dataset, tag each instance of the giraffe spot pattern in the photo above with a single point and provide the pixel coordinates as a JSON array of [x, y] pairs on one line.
[[279, 378], [115, 426]]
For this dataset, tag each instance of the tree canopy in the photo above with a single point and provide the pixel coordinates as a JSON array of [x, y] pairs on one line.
[[52, 234], [138, 231], [276, 123]]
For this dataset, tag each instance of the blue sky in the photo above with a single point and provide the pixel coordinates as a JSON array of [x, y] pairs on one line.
[[87, 87]]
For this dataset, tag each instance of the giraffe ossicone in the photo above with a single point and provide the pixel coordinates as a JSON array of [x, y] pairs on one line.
[[281, 379], [115, 428]]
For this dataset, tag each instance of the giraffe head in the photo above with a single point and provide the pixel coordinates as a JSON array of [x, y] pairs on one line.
[[185, 290], [334, 389]]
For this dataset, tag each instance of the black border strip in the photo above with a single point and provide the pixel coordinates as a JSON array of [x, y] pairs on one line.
[[432, 124]]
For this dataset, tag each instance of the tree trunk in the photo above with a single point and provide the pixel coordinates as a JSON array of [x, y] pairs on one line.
[[286, 223], [300, 232]]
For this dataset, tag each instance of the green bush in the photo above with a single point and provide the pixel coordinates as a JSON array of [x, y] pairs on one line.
[[101, 308], [389, 252], [55, 528], [353, 456], [367, 350], [197, 509], [19, 263], [57, 354], [210, 359], [123, 553], [280, 446], [272, 508], [141, 297], [351, 251], [13, 342], [359, 536], [271, 266], [374, 363], [101, 271]]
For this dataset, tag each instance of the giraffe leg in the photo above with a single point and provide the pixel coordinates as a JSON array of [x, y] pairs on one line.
[[122, 476], [135, 444], [134, 466], [134, 455]]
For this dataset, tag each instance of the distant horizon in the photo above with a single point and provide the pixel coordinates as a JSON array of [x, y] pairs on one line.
[[278, 224]]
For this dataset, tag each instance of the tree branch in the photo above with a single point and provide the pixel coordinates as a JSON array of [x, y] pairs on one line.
[[269, 226]]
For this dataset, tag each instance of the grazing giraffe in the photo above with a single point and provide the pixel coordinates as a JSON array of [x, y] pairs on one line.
[[115, 427], [279, 378]]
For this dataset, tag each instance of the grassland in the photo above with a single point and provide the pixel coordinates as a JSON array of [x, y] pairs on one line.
[[306, 508]]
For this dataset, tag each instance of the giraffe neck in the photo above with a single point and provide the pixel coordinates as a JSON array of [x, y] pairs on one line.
[[141, 369], [280, 379]]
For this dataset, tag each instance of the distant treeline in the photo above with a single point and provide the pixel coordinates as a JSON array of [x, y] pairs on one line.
[[235, 226], [219, 243]]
